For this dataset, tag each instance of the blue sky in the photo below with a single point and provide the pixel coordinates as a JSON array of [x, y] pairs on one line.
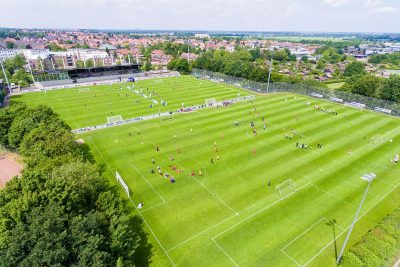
[[257, 15]]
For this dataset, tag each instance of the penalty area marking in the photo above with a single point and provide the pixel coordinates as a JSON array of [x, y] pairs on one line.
[[305, 232], [348, 227], [136, 208]]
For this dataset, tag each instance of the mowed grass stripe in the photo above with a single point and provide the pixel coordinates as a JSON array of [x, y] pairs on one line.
[[191, 214]]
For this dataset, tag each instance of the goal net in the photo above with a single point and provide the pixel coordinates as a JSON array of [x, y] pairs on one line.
[[379, 139], [210, 102], [114, 119], [123, 184], [285, 189], [83, 90]]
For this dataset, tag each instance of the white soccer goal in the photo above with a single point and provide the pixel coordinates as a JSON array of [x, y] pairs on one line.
[[114, 119], [83, 90], [379, 139], [285, 189], [210, 102], [123, 184]]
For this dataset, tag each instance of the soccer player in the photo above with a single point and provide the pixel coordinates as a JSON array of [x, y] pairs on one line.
[[157, 148], [254, 151], [140, 205], [396, 158]]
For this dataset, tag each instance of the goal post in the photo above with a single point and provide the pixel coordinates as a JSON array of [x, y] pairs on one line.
[[123, 184], [210, 102], [285, 189], [83, 90], [114, 119]]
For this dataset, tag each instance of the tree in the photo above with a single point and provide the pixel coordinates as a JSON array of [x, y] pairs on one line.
[[354, 68], [391, 89], [79, 64], [304, 59], [180, 64], [368, 85], [14, 68], [55, 47], [61, 211], [10, 45], [147, 66], [108, 51]]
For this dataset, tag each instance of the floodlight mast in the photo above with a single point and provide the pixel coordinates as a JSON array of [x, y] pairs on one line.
[[270, 69], [369, 177], [5, 75]]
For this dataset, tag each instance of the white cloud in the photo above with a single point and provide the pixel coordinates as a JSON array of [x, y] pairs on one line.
[[334, 3], [378, 6], [296, 8], [253, 15]]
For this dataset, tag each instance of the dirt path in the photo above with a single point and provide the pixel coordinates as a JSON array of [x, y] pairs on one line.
[[10, 166]]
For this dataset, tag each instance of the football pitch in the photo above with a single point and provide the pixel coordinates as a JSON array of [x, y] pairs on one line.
[[91, 105], [223, 208]]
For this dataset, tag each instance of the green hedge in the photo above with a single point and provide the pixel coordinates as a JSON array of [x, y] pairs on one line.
[[378, 246]]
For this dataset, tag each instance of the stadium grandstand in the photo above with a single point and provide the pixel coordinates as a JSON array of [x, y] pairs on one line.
[[84, 75]]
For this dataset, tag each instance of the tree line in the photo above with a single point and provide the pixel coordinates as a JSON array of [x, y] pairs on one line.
[[61, 211], [358, 81], [393, 59], [253, 65], [250, 64]]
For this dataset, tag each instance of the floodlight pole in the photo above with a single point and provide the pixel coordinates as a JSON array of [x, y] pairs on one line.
[[30, 70], [188, 49], [339, 259], [270, 70], [5, 75]]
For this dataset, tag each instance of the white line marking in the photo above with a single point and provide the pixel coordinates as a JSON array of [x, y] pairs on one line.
[[362, 215], [209, 190], [287, 255], [256, 213], [303, 233], [226, 253], [144, 220], [202, 232]]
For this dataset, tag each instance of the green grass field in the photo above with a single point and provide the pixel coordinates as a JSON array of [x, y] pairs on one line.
[[82, 109], [229, 216], [335, 85]]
